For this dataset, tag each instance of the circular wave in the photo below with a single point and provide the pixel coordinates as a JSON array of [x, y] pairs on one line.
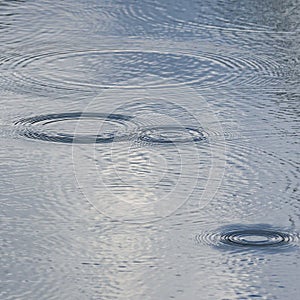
[[76, 127], [255, 238], [171, 134], [140, 180], [249, 237], [95, 69]]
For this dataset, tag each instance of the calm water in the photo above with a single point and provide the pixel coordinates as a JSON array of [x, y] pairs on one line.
[[149, 149]]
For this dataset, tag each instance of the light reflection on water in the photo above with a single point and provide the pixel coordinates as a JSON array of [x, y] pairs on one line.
[[149, 149]]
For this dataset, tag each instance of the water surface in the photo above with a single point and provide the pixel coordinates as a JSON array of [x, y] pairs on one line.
[[149, 149]]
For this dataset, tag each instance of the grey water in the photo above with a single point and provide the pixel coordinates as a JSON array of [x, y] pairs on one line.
[[149, 149]]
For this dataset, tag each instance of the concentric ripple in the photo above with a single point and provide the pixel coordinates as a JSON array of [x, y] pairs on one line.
[[162, 167], [249, 237], [171, 134], [94, 69], [77, 127], [255, 238]]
